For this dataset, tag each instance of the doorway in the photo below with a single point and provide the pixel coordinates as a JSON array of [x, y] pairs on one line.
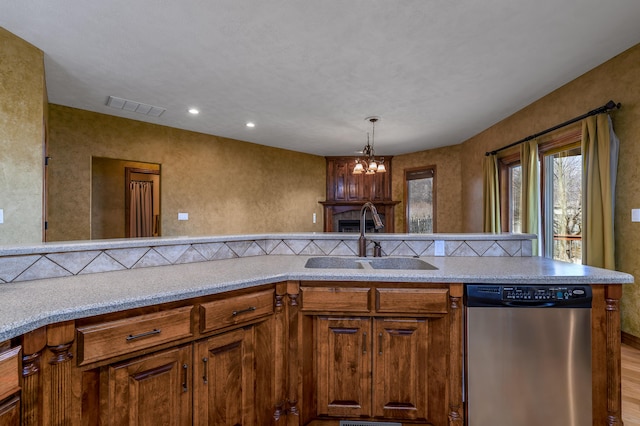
[[142, 202], [110, 195]]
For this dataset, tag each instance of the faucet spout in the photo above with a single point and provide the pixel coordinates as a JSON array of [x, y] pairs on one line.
[[377, 223]]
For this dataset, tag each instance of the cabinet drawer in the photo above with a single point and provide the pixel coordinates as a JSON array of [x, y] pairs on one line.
[[335, 299], [109, 339], [235, 310], [412, 300], [9, 372]]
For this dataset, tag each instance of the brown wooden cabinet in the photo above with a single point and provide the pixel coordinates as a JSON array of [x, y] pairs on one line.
[[346, 193], [224, 380], [291, 353], [343, 185], [385, 356], [343, 365], [205, 361], [150, 390], [9, 385], [10, 412]]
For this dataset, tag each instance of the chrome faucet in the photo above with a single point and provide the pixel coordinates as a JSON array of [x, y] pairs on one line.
[[377, 223]]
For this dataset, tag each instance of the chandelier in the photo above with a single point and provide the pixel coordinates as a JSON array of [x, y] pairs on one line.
[[369, 164]]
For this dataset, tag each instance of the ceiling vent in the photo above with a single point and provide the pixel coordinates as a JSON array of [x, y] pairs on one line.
[[133, 106]]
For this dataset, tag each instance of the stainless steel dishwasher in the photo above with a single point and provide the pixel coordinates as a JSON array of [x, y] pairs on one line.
[[528, 355]]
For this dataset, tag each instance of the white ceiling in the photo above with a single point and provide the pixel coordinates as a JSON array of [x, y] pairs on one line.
[[309, 72]]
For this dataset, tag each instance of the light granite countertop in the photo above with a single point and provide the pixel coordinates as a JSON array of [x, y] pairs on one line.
[[25, 306]]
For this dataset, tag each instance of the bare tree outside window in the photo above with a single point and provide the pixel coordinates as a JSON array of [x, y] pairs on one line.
[[515, 194], [566, 200]]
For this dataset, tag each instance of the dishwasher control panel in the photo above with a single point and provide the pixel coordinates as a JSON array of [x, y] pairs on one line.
[[527, 295], [543, 293]]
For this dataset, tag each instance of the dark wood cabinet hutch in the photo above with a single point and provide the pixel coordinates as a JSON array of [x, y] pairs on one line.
[[346, 193]]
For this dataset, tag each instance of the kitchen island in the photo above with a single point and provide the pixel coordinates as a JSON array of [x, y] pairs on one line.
[[96, 347]]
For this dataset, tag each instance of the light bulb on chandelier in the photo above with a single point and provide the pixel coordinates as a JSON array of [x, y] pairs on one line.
[[369, 164]]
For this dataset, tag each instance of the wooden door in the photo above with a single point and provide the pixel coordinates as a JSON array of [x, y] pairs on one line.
[[343, 366], [400, 365], [151, 390], [224, 380]]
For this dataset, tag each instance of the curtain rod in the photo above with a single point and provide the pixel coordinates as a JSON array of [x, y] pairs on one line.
[[604, 108]]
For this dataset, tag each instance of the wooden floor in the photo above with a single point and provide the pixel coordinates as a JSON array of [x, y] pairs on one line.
[[630, 386]]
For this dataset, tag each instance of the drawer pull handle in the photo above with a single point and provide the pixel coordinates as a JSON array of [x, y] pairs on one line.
[[204, 377], [364, 342], [141, 335], [185, 368], [380, 343], [244, 311]]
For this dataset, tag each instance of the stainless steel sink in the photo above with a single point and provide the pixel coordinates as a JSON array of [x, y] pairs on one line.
[[326, 262], [400, 263], [397, 263]]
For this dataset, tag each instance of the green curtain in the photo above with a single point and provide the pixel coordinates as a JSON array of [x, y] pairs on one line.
[[599, 162], [491, 197], [529, 211]]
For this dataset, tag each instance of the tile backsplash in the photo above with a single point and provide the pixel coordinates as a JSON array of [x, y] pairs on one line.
[[104, 256]]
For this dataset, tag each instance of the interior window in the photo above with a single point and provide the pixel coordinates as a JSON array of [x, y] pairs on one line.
[[420, 200]]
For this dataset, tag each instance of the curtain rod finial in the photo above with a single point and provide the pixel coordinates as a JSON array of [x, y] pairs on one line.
[[613, 105]]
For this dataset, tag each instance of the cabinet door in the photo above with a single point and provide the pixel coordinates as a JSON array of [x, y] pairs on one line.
[[343, 366], [400, 364], [224, 380], [151, 390], [10, 412]]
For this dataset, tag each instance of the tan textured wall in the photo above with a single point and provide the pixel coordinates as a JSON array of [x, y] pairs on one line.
[[226, 186], [617, 79], [21, 139], [448, 186]]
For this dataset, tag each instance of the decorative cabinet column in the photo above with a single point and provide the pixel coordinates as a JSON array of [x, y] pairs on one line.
[[58, 378], [33, 345]]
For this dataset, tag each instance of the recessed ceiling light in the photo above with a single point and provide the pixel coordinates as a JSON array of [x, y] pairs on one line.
[[250, 124], [194, 111]]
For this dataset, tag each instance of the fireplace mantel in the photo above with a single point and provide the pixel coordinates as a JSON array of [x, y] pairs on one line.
[[332, 210]]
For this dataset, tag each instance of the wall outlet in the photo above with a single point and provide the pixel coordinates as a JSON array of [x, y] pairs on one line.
[[1, 215], [315, 218], [439, 248], [635, 215], [183, 216]]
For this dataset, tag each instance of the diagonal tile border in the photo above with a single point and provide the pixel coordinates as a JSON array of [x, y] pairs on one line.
[[35, 266], [297, 245], [172, 253], [43, 268], [495, 250], [191, 255], [12, 266], [239, 247], [208, 250], [102, 263], [151, 258], [74, 261], [127, 257], [327, 246], [254, 250]]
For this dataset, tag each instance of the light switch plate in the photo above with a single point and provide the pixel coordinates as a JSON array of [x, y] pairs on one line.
[[439, 249], [635, 215], [183, 216]]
